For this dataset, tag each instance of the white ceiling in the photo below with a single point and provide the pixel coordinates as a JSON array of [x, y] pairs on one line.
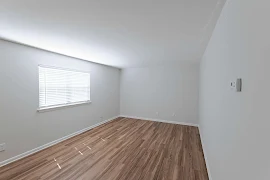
[[119, 33]]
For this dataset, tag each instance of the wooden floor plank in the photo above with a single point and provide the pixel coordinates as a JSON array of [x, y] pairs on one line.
[[123, 149]]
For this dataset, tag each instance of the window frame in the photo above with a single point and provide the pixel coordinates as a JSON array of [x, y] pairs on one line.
[[66, 105]]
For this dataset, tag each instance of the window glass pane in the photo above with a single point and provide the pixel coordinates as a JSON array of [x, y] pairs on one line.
[[59, 87]]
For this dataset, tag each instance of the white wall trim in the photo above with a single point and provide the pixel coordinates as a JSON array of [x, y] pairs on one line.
[[160, 120], [205, 155], [28, 153]]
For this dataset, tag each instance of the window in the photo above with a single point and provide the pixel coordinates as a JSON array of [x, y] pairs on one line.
[[60, 87]]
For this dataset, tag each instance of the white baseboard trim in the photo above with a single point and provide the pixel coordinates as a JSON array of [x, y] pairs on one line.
[[28, 153], [160, 120], [205, 155]]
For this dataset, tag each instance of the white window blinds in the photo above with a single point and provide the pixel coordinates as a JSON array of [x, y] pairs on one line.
[[58, 87]]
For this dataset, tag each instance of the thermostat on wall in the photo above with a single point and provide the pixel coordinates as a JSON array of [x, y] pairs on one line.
[[237, 85]]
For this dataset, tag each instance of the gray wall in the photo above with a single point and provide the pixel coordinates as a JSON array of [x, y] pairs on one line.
[[22, 128], [166, 90], [235, 127]]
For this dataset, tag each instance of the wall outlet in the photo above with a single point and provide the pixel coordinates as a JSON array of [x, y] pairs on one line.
[[173, 115], [157, 113], [2, 147]]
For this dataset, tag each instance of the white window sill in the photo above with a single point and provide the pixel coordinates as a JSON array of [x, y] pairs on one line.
[[52, 108]]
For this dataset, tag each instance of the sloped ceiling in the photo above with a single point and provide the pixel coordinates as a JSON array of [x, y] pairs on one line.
[[119, 33]]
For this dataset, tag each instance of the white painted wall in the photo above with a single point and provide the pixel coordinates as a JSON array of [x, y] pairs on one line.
[[166, 90], [236, 126], [22, 128]]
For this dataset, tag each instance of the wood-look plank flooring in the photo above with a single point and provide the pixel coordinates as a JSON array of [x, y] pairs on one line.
[[123, 149]]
